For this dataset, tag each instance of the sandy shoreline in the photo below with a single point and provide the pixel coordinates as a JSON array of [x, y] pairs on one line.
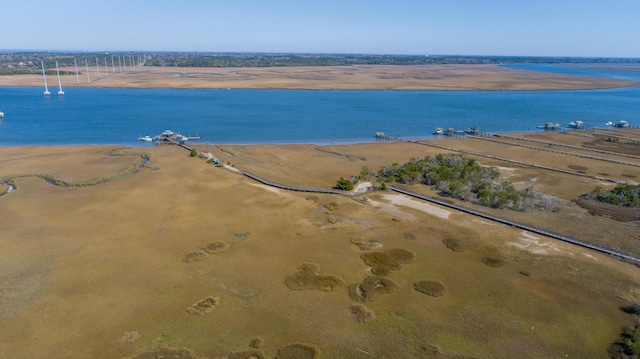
[[357, 77]]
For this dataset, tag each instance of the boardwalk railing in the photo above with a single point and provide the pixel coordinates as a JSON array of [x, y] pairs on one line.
[[292, 188]]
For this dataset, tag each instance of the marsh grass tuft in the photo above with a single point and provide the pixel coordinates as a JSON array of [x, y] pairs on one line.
[[402, 255], [195, 256], [361, 313], [216, 247], [429, 287], [309, 277], [167, 353], [248, 354], [331, 206], [382, 263], [370, 287], [493, 262], [453, 244], [409, 236], [203, 306], [298, 351], [256, 343]]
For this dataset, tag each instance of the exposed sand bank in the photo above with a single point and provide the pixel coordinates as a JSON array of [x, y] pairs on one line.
[[358, 77]]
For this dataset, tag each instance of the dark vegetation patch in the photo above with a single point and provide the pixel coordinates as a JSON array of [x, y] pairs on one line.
[[628, 345], [382, 263], [312, 198], [248, 354], [578, 168], [331, 206], [371, 287], [365, 246], [298, 351], [629, 175], [613, 211], [453, 244], [195, 256], [621, 203], [361, 313], [429, 287], [216, 247], [401, 255], [493, 262], [256, 343], [203, 306], [242, 235], [167, 353], [409, 236], [309, 277]]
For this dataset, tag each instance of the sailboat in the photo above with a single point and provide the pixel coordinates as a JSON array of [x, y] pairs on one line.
[[60, 93], [46, 90]]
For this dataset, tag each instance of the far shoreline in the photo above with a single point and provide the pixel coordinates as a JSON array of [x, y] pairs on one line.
[[314, 78]]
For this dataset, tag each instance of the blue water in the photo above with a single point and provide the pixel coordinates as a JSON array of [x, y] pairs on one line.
[[119, 116], [592, 70]]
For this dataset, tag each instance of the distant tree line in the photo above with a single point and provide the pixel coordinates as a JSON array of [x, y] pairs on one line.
[[284, 60], [31, 59]]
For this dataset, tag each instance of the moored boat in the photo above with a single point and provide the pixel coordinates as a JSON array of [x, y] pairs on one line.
[[550, 126], [622, 124], [576, 125], [1, 115], [145, 138], [438, 131]]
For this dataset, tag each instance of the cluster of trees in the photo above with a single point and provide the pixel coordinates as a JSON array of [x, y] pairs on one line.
[[465, 179], [627, 195]]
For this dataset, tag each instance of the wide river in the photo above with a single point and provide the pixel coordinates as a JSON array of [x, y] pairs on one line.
[[119, 116]]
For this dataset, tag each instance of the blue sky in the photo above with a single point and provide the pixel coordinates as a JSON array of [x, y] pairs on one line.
[[585, 28]]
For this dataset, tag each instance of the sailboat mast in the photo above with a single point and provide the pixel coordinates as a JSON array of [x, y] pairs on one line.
[[60, 93], [86, 64], [106, 67], [77, 77], [44, 74]]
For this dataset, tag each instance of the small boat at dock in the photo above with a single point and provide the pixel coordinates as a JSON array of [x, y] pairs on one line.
[[438, 131], [145, 138], [1, 115], [622, 124], [550, 126], [576, 125]]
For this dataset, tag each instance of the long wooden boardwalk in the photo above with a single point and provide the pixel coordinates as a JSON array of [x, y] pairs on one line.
[[292, 188]]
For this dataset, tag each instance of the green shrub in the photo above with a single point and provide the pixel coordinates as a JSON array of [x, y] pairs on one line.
[[344, 184]]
